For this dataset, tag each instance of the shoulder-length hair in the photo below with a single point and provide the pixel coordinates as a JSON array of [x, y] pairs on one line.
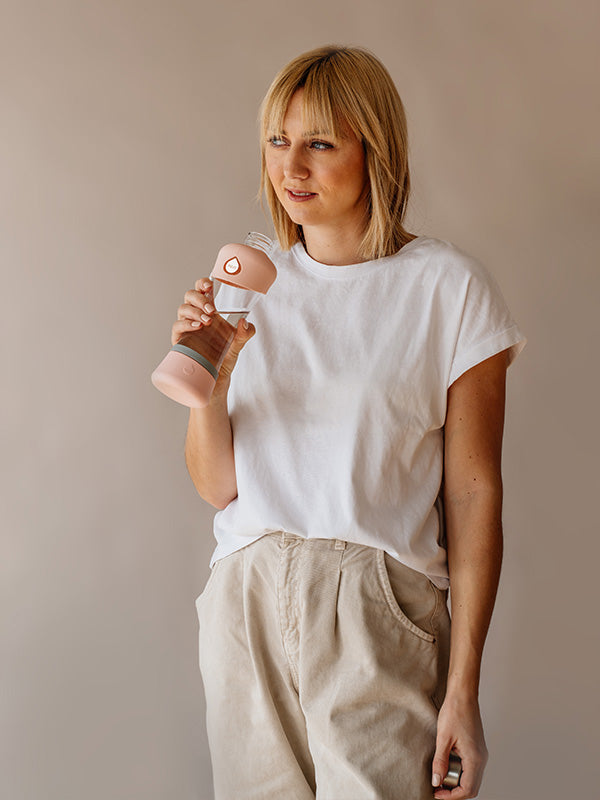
[[351, 85]]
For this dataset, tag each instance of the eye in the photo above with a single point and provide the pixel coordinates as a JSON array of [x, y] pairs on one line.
[[318, 145], [275, 141]]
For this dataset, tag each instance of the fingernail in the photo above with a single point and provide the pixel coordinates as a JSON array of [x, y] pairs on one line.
[[205, 318], [195, 324], [209, 308], [436, 779], [246, 326]]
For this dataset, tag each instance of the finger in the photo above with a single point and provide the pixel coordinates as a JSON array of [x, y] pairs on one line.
[[470, 781], [439, 768], [245, 331], [191, 312], [186, 326], [196, 298], [458, 793], [204, 285]]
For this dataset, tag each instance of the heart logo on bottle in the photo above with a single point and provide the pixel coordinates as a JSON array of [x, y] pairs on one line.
[[232, 267]]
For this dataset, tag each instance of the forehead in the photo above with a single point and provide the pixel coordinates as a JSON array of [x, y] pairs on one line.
[[305, 113]]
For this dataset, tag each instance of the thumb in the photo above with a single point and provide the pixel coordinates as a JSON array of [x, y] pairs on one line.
[[440, 762], [245, 331]]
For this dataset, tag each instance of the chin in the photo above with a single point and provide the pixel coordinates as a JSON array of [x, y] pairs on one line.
[[297, 219], [297, 214], [300, 216]]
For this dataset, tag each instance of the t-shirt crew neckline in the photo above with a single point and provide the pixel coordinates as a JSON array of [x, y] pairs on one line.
[[335, 272]]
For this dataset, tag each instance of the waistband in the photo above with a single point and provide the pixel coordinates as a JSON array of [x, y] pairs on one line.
[[326, 544]]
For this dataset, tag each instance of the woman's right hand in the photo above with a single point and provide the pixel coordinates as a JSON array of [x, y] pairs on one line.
[[197, 311]]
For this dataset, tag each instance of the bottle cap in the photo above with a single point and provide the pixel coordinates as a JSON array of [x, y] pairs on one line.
[[245, 267], [452, 779]]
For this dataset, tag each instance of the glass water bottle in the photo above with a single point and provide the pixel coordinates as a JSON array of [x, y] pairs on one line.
[[242, 273]]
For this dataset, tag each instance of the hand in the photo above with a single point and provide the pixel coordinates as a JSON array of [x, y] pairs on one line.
[[196, 312], [460, 728]]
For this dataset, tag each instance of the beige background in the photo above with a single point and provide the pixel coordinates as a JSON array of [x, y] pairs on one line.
[[128, 156]]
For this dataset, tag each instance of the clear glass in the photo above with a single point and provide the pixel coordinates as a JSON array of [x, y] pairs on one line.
[[179, 380], [259, 241], [234, 303], [211, 341], [232, 299]]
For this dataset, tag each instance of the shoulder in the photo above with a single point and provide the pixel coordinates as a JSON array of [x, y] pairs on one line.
[[450, 260], [456, 276]]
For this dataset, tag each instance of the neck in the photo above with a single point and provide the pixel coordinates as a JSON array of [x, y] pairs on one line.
[[336, 248]]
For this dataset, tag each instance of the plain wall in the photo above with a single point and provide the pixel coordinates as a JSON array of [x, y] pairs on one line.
[[128, 156]]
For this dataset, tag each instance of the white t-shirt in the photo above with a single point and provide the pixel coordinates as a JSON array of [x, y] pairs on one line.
[[338, 402]]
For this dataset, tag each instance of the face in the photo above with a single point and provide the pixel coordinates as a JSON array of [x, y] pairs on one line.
[[320, 180]]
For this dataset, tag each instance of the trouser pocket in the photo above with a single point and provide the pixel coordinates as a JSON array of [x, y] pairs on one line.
[[410, 596]]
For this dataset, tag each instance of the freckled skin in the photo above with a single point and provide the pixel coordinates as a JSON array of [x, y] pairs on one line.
[[334, 218]]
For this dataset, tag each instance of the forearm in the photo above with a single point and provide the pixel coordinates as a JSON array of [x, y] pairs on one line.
[[473, 516], [474, 541], [209, 452], [209, 441]]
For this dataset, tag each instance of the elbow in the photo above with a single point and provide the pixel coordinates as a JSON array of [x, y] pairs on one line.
[[219, 502], [486, 489], [217, 490], [215, 496], [218, 497]]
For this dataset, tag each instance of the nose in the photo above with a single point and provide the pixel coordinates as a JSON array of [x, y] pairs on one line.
[[295, 165]]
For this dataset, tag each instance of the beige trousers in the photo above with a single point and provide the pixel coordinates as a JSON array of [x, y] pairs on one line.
[[324, 665]]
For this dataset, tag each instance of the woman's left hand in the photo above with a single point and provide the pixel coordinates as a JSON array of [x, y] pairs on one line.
[[460, 729]]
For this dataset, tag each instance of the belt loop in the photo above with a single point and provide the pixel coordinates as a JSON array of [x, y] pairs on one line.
[[340, 545]]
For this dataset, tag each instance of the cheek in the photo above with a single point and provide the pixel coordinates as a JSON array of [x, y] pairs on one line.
[[355, 183], [272, 167], [352, 175]]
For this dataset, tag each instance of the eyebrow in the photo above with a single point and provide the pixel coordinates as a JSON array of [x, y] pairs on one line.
[[308, 134]]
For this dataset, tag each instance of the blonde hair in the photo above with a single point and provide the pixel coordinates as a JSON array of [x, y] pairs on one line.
[[347, 85]]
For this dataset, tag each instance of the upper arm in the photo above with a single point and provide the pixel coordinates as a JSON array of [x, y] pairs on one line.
[[473, 428]]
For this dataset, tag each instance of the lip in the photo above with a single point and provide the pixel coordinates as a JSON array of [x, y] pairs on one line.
[[299, 198]]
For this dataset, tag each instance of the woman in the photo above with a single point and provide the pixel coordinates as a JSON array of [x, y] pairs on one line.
[[354, 454]]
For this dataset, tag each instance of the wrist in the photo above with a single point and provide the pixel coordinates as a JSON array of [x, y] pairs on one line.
[[220, 392], [461, 690], [464, 672]]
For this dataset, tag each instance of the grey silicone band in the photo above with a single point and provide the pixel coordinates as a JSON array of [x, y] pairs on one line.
[[204, 362]]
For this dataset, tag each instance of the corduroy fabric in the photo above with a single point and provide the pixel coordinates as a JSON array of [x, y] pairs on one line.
[[324, 665]]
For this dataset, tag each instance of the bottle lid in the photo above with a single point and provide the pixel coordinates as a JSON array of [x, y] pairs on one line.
[[244, 267]]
